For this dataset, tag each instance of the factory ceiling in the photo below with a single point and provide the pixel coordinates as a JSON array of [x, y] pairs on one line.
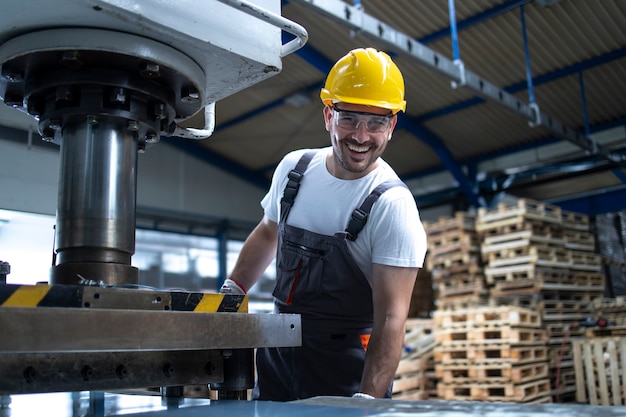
[[557, 136], [524, 98]]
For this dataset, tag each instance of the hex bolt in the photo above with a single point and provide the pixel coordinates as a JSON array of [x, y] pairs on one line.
[[168, 369], [63, 93], [11, 75], [55, 124], [118, 95], [87, 372], [5, 269], [159, 111], [92, 119], [121, 372], [133, 125], [150, 70], [209, 368], [47, 134], [30, 374], [71, 59], [189, 94], [33, 108], [13, 100], [152, 138]]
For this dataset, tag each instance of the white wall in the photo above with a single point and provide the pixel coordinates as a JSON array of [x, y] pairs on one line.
[[167, 180]]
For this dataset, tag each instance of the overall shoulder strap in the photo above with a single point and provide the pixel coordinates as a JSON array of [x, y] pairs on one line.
[[360, 215], [293, 184]]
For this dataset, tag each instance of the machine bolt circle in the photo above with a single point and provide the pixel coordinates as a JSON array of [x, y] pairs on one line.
[[121, 372], [55, 124], [209, 368], [150, 70], [47, 134], [87, 372], [30, 374], [152, 138], [189, 94], [71, 59], [11, 75], [168, 369], [133, 125]]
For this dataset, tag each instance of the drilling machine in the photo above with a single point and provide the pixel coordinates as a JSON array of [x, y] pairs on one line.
[[105, 79]]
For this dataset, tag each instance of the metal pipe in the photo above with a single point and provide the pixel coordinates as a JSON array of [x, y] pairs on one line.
[[453, 31], [276, 20], [529, 77], [583, 97]]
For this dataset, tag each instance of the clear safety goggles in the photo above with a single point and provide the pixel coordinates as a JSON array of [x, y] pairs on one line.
[[351, 120]]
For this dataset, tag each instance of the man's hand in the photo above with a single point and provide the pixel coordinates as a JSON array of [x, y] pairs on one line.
[[231, 287]]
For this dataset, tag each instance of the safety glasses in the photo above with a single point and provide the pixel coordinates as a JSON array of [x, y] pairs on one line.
[[351, 120]]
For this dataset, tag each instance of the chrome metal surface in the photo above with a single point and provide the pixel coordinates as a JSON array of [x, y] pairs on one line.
[[47, 330], [96, 206], [100, 404]]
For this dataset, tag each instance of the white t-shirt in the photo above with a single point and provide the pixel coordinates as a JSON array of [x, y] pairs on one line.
[[393, 235]]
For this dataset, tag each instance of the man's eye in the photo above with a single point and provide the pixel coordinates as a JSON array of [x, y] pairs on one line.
[[377, 122], [348, 119]]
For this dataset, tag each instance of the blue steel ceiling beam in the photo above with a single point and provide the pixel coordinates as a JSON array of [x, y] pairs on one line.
[[474, 20], [445, 156], [356, 19], [192, 148], [517, 87], [606, 201]]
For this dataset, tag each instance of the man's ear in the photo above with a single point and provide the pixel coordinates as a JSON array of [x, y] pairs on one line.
[[328, 116]]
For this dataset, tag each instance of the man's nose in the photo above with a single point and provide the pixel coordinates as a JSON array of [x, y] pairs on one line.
[[361, 132]]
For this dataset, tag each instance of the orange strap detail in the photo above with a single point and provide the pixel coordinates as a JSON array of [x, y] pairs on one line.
[[365, 340]]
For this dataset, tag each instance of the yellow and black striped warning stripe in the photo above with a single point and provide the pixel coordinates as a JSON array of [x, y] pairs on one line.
[[202, 302], [42, 295]]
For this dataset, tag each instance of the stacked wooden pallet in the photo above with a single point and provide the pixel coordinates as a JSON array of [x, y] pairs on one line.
[[415, 376], [491, 354], [540, 257], [600, 370], [454, 261]]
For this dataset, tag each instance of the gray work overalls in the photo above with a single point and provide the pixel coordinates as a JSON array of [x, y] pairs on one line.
[[318, 278]]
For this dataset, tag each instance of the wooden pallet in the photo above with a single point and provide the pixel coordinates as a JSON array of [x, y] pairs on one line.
[[461, 221], [529, 272], [450, 271], [600, 367], [487, 317], [537, 255], [522, 239], [520, 224], [416, 394], [496, 335], [491, 372], [575, 221], [514, 354], [414, 381], [445, 243], [463, 301], [462, 285], [457, 261], [503, 215], [529, 279], [495, 391], [581, 240]]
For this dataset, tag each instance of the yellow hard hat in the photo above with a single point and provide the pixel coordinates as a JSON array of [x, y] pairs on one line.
[[365, 76]]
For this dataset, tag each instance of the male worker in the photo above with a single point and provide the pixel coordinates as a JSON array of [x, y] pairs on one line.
[[348, 273]]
